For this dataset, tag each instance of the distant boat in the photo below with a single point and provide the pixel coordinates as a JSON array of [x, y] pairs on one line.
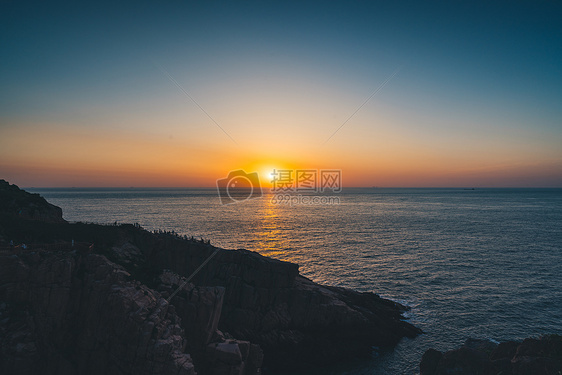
[[470, 189]]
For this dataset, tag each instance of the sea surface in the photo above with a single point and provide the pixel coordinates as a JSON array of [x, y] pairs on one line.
[[484, 263]]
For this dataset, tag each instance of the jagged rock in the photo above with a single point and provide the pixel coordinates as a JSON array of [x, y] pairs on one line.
[[200, 311], [19, 203], [87, 318], [296, 321], [199, 307], [429, 361], [127, 254], [18, 347], [541, 356], [233, 357]]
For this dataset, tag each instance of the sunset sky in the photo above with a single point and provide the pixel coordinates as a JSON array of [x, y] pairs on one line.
[[89, 92]]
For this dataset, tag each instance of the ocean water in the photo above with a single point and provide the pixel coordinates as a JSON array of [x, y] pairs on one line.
[[484, 263]]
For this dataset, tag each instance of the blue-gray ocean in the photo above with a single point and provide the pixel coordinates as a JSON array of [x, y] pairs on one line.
[[484, 263]]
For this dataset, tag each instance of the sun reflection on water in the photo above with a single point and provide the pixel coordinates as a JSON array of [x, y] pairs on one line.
[[271, 236]]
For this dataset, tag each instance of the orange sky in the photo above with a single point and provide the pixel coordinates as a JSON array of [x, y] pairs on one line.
[[50, 155], [424, 96]]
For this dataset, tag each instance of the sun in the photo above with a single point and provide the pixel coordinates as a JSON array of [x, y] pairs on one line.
[[272, 174], [267, 175], [267, 171]]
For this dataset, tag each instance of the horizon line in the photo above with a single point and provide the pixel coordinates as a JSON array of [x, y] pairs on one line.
[[269, 188]]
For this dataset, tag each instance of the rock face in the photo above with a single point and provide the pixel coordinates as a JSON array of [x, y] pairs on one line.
[[200, 309], [100, 306], [82, 315], [19, 203], [542, 356], [296, 321], [76, 312]]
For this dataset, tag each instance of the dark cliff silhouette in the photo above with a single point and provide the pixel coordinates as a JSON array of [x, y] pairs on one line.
[[84, 298]]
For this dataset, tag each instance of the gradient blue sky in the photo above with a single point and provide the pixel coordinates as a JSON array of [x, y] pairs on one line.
[[476, 101]]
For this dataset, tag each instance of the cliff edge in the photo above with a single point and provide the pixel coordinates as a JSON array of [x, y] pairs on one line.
[[21, 204], [91, 299]]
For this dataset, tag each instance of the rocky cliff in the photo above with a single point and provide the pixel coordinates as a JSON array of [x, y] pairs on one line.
[[294, 320], [68, 313], [18, 203], [84, 298]]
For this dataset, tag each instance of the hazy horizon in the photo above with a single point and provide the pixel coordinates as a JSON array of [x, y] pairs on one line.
[[268, 188]]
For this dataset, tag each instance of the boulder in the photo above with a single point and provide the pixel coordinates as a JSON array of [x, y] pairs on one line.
[[533, 356]]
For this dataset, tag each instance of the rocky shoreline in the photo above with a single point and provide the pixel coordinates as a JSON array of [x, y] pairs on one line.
[[91, 299], [80, 298], [532, 356]]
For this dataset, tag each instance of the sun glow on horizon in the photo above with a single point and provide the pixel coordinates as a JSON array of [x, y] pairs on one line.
[[267, 173]]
